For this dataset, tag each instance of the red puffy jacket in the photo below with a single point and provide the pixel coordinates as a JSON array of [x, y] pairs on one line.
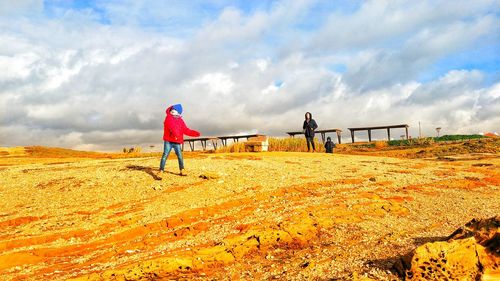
[[174, 129]]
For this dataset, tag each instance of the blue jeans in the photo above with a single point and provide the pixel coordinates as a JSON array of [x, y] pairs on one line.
[[167, 147]]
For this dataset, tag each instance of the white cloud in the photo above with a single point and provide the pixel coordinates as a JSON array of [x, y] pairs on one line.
[[75, 82], [214, 84], [20, 7], [262, 64], [493, 92], [386, 21], [17, 66], [271, 89]]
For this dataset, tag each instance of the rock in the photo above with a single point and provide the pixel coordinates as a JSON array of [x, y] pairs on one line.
[[484, 231], [209, 176], [210, 256], [355, 277], [482, 165], [455, 260], [472, 252]]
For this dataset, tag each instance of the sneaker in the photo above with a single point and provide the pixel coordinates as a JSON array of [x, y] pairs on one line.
[[159, 174]]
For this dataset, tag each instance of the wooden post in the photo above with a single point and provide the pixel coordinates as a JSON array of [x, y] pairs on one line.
[[352, 135], [323, 137], [182, 146], [369, 135], [338, 137], [389, 134], [204, 145], [214, 143], [406, 129], [191, 144]]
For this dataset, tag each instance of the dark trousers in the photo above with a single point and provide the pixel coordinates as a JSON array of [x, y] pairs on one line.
[[310, 142]]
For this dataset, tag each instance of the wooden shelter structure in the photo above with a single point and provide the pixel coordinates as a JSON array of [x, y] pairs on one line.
[[322, 132], [214, 140], [388, 128], [237, 137], [203, 141]]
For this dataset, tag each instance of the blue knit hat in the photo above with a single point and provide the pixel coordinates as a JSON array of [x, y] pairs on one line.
[[177, 107]]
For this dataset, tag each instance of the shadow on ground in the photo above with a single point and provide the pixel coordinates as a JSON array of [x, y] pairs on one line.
[[147, 170]]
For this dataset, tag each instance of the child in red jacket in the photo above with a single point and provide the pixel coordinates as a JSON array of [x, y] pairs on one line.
[[174, 130]]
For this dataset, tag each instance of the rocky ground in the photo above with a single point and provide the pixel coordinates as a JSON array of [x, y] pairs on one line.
[[276, 215]]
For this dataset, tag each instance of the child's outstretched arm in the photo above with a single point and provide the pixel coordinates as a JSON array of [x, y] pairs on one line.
[[189, 132]]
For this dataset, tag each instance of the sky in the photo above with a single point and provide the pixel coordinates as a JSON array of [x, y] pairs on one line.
[[98, 75]]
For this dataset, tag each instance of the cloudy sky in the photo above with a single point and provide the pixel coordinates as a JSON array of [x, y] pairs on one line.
[[99, 74]]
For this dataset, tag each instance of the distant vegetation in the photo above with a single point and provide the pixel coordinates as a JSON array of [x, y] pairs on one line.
[[431, 140], [136, 149], [300, 145], [364, 145], [459, 137]]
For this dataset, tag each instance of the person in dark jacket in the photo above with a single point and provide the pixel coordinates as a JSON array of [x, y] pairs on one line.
[[308, 128], [174, 130], [329, 145]]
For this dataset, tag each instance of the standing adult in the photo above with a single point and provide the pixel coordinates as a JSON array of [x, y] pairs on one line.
[[309, 127]]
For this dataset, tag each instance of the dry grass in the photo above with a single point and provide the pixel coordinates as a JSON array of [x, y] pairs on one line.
[[292, 144], [277, 144], [417, 148], [235, 147]]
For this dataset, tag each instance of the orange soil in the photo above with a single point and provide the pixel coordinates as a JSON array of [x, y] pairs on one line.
[[235, 216]]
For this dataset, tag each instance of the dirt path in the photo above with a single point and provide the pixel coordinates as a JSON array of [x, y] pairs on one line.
[[268, 215]]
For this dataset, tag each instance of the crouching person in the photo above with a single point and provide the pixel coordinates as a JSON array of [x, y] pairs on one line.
[[174, 130], [329, 145]]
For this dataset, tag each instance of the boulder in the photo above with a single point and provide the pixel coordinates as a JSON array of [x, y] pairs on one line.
[[472, 252]]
